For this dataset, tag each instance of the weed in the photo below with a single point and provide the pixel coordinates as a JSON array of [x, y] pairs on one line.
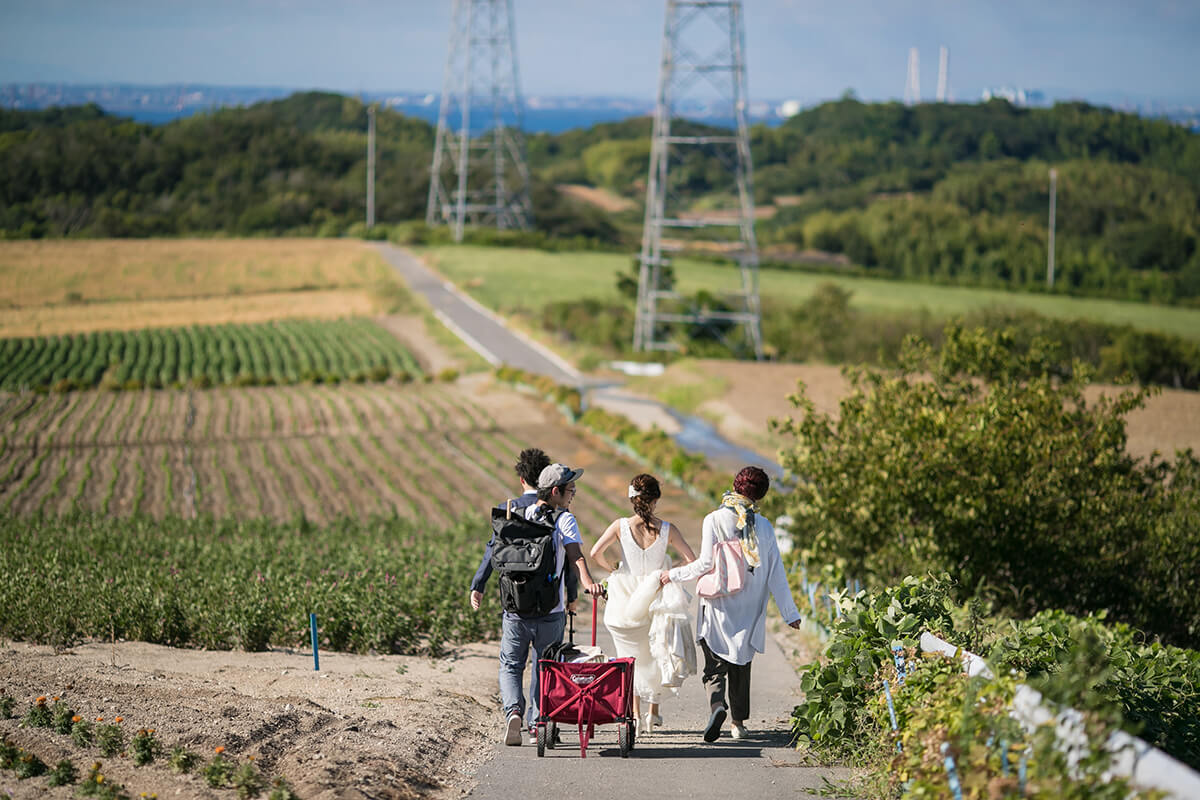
[[63, 773], [97, 785], [145, 747], [9, 753], [181, 760], [38, 715], [218, 772], [81, 731], [29, 766], [62, 717], [6, 707], [281, 790], [248, 781], [110, 739]]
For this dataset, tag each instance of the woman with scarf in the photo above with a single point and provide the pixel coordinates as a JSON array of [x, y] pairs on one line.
[[648, 621], [731, 628]]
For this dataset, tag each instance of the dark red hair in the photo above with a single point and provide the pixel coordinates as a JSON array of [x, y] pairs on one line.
[[752, 483]]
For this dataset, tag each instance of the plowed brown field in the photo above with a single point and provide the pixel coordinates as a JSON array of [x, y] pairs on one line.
[[415, 450]]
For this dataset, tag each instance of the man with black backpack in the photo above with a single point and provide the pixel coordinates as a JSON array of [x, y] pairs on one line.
[[530, 463], [531, 553]]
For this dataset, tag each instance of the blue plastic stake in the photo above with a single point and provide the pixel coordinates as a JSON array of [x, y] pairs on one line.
[[898, 659], [952, 772], [1021, 770], [887, 691], [1004, 757], [312, 623]]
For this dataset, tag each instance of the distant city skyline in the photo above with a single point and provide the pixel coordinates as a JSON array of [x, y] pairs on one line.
[[1106, 51]]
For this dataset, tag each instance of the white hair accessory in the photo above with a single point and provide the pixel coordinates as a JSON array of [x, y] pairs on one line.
[[633, 492]]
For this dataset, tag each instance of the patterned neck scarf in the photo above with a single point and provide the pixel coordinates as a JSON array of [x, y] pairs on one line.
[[745, 509]]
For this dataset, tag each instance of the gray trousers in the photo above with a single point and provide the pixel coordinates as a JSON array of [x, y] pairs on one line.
[[720, 674]]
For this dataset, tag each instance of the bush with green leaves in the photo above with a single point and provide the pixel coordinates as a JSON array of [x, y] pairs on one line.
[[940, 713], [981, 461], [1147, 689]]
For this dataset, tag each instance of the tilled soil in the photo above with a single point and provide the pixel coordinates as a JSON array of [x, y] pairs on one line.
[[363, 726]]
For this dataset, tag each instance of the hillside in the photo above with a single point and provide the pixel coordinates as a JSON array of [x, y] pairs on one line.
[[946, 193]]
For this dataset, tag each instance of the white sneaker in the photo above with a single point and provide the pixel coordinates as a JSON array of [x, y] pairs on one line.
[[738, 731], [515, 730]]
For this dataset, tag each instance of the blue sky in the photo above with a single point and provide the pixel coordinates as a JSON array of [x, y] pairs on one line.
[[800, 49]]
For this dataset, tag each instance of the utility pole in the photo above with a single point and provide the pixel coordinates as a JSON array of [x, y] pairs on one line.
[[371, 166], [1050, 243]]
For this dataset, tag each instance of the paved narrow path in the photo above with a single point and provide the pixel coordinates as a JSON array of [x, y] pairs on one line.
[[482, 330], [673, 762]]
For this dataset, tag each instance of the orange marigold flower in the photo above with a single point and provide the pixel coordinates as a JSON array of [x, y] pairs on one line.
[[56, 698], [250, 757], [99, 719], [76, 718], [219, 749], [41, 699], [150, 730], [119, 719]]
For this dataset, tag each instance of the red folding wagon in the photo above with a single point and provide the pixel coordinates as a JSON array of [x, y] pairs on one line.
[[585, 695]]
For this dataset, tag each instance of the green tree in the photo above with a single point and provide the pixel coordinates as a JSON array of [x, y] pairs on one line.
[[980, 461]]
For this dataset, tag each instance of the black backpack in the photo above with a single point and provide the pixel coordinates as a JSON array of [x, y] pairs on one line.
[[525, 558]]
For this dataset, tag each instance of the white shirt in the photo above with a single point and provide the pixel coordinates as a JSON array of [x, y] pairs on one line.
[[566, 531], [734, 626]]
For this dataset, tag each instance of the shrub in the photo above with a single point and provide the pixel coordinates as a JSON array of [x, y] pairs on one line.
[[983, 462]]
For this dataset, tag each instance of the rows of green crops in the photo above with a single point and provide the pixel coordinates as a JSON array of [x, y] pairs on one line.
[[382, 584], [269, 353]]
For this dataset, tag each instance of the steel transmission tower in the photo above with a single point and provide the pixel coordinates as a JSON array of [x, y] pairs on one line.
[[703, 70], [479, 174]]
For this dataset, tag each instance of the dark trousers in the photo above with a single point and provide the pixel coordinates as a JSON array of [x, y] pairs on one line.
[[718, 673]]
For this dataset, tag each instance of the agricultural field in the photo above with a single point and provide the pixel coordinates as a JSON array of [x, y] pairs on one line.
[[271, 353], [715, 390], [500, 279], [419, 451], [53, 287]]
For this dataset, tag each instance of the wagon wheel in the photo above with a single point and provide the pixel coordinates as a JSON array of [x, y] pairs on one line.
[[542, 735], [552, 736], [625, 738]]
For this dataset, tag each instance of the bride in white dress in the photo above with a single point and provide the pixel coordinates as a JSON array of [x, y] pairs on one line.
[[648, 622]]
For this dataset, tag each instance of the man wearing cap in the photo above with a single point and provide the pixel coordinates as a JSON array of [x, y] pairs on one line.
[[555, 491]]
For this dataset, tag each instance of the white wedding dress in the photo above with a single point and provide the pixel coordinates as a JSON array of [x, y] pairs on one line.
[[650, 622]]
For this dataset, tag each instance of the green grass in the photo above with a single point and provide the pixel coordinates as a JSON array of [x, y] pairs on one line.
[[513, 280], [685, 386]]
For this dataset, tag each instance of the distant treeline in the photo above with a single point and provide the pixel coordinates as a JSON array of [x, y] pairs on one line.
[[938, 192]]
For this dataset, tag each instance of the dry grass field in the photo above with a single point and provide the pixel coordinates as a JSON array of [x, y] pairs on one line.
[[52, 287], [1170, 420], [125, 314]]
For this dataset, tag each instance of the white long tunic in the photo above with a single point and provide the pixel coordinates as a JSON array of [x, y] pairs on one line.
[[734, 627]]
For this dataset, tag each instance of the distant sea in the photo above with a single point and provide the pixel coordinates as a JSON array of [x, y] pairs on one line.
[[553, 120]]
